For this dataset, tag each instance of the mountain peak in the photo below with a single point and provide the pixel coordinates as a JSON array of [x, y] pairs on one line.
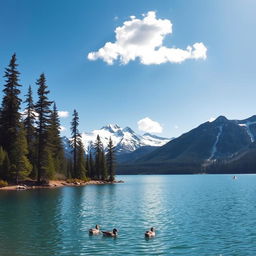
[[220, 119], [111, 127]]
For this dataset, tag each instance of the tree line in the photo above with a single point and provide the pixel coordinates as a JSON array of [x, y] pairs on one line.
[[30, 143]]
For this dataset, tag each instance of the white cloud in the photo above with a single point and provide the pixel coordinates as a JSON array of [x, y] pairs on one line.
[[62, 128], [211, 119], [176, 127], [148, 125], [63, 114], [143, 39]]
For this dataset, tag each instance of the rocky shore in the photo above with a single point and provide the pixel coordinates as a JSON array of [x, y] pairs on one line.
[[56, 184]]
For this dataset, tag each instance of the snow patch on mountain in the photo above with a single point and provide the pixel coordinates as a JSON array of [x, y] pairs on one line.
[[248, 130], [214, 148], [124, 139]]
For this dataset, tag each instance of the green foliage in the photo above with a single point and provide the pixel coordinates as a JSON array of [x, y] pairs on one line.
[[100, 166], [10, 115], [4, 164], [81, 163], [98, 147], [21, 166], [29, 125], [54, 140], [43, 109], [75, 139], [49, 167], [3, 183], [103, 167], [111, 161], [6, 167], [91, 166]]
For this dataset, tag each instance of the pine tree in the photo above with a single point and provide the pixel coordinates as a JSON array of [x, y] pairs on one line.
[[54, 141], [69, 169], [29, 125], [91, 166], [21, 167], [98, 147], [111, 160], [10, 116], [6, 167], [81, 163], [4, 164], [103, 167], [43, 109], [75, 138], [87, 166]]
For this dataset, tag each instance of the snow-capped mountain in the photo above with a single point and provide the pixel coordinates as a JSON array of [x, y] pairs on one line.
[[124, 139]]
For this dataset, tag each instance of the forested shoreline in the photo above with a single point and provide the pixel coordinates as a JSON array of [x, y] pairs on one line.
[[30, 142]]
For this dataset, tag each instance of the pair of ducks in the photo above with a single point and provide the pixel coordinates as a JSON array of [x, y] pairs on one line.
[[96, 231]]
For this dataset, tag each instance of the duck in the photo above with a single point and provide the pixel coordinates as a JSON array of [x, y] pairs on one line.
[[150, 233], [95, 231], [110, 233]]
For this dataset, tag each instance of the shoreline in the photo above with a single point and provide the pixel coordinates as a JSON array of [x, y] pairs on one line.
[[57, 184]]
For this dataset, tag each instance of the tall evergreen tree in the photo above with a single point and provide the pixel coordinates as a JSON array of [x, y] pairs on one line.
[[87, 165], [4, 164], [10, 116], [54, 140], [91, 166], [81, 163], [98, 148], [100, 160], [103, 166], [29, 125], [44, 159], [111, 160], [75, 135], [20, 167]]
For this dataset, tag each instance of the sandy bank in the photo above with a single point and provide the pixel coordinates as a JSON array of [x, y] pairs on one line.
[[57, 184]]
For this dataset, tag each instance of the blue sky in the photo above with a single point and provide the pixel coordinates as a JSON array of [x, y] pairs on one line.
[[56, 37]]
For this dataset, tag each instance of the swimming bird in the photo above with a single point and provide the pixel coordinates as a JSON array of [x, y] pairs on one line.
[[150, 233], [95, 231], [110, 233]]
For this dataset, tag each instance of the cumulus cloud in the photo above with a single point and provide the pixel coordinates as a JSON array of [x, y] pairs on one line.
[[143, 39], [148, 125], [63, 114]]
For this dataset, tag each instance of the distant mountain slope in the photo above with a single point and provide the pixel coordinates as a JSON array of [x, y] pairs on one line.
[[211, 140], [136, 154], [210, 144]]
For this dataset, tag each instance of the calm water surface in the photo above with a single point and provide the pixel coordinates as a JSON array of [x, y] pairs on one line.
[[193, 215]]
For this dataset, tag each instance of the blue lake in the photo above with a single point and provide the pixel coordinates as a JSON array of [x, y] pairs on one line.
[[192, 214]]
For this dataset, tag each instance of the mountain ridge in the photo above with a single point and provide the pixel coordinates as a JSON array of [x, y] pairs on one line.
[[202, 148]]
